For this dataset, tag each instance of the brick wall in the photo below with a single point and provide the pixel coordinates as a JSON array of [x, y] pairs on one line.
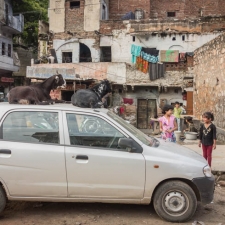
[[107, 26], [209, 90], [187, 8], [75, 17], [118, 8]]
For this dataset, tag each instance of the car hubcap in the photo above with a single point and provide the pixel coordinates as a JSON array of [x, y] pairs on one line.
[[175, 203]]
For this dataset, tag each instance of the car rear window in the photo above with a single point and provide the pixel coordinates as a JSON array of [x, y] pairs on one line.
[[31, 127]]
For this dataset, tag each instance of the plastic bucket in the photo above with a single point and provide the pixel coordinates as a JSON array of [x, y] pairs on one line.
[[191, 135], [177, 135]]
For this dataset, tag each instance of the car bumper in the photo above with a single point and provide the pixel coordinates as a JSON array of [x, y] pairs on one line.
[[206, 187]]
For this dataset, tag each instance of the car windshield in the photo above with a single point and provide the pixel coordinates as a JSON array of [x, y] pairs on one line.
[[150, 141]]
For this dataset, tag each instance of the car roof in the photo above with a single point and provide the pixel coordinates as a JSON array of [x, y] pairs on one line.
[[5, 106]]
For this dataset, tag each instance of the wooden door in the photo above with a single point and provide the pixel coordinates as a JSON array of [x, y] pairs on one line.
[[189, 103], [146, 110]]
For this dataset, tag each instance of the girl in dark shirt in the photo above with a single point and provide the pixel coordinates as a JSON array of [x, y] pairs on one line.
[[207, 136]]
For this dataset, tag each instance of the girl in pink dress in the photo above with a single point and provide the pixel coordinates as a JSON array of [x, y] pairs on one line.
[[168, 124]]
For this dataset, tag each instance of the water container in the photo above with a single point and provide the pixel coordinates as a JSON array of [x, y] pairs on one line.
[[139, 14], [177, 134]]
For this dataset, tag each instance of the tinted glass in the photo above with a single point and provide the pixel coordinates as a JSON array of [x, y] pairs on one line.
[[137, 133], [31, 127], [92, 131]]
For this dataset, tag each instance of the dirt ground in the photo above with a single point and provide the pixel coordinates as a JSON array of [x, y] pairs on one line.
[[31, 213]]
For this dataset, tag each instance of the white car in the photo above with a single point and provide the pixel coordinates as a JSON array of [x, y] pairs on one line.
[[67, 154]]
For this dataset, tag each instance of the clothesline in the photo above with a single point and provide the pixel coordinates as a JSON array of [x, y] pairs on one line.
[[152, 61], [152, 55]]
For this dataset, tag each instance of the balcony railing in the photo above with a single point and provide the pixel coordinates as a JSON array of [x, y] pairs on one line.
[[15, 22]]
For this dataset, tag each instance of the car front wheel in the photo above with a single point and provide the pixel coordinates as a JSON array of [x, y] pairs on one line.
[[175, 201]]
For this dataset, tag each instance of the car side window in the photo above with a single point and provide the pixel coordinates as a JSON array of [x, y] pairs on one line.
[[92, 131], [31, 127]]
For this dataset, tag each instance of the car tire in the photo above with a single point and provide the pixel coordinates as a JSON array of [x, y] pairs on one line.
[[2, 199], [175, 201]]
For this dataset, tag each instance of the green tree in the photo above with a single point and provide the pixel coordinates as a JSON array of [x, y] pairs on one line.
[[33, 11]]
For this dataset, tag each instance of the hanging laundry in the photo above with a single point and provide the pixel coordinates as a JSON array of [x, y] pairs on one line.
[[128, 101], [135, 51], [182, 57], [153, 71], [169, 56], [142, 65], [190, 54], [156, 70], [151, 51], [149, 58], [161, 70]]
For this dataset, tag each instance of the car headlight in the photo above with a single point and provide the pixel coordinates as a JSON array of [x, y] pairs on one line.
[[207, 171]]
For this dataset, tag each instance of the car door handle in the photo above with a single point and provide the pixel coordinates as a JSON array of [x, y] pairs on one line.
[[82, 157], [5, 151]]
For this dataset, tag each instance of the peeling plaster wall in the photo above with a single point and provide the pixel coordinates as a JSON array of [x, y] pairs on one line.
[[171, 78], [95, 51], [172, 25], [61, 46], [86, 71], [56, 14], [121, 42], [92, 15], [73, 46], [191, 43]]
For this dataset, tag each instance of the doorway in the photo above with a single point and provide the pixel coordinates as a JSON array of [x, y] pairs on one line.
[[85, 53], [147, 109], [66, 95], [189, 103]]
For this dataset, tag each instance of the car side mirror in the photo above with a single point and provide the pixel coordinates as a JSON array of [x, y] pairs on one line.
[[126, 143]]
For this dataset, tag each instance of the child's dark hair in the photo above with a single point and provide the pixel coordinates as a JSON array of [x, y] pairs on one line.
[[167, 108], [208, 115], [177, 103], [189, 119]]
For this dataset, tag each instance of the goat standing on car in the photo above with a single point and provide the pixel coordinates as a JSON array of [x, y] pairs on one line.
[[37, 94]]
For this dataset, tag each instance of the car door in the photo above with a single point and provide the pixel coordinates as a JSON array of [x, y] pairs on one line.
[[96, 167], [32, 162]]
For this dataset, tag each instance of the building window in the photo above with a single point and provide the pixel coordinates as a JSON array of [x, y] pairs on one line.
[[7, 13], [171, 14], [104, 11], [67, 57], [9, 50], [183, 37], [3, 48], [106, 54], [75, 5]]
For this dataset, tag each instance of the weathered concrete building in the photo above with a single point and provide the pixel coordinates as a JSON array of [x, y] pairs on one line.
[[92, 39], [9, 60], [209, 82]]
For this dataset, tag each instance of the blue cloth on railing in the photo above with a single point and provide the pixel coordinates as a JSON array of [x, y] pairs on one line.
[[149, 58], [135, 51], [129, 16]]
